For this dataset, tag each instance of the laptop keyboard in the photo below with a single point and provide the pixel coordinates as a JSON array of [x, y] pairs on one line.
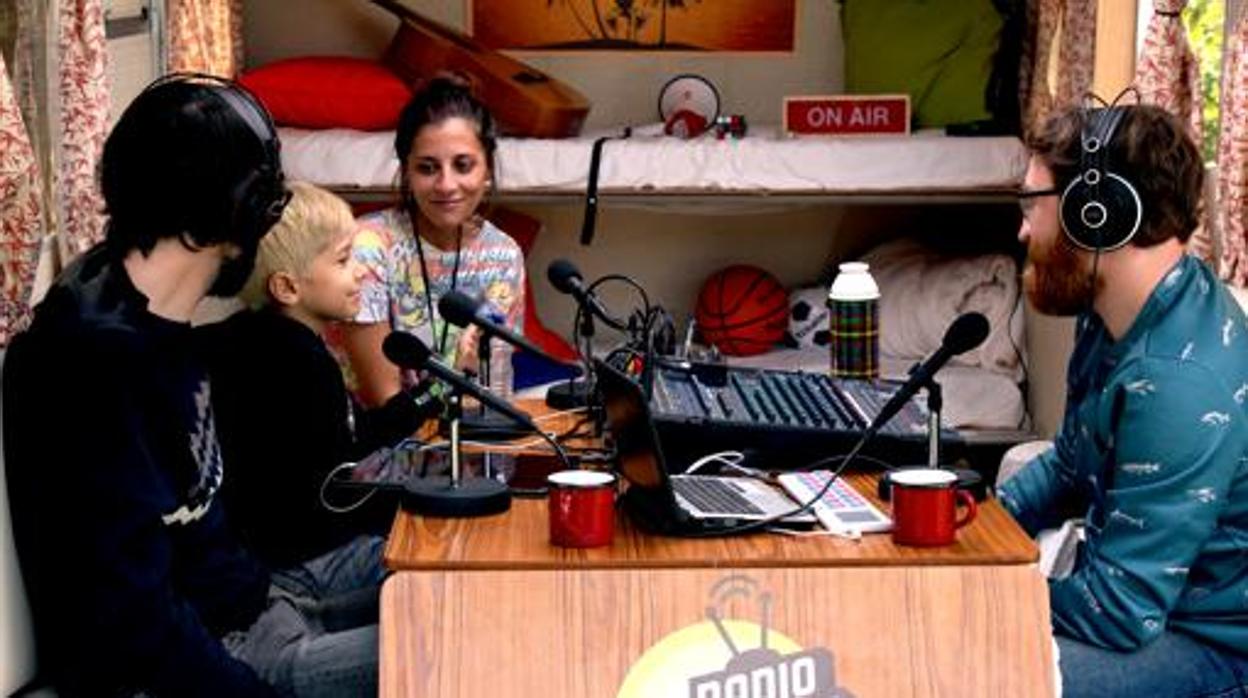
[[710, 495]]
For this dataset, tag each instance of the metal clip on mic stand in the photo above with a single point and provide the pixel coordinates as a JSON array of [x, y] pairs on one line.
[[577, 392], [456, 496], [935, 402], [968, 479], [483, 423]]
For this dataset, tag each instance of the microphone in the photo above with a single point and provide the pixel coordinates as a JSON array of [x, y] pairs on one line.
[[968, 331], [566, 278], [461, 310], [407, 351]]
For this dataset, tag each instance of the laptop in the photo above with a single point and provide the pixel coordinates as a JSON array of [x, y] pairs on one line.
[[679, 504]]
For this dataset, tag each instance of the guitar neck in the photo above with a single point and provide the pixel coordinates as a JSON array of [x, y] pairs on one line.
[[524, 100], [406, 13]]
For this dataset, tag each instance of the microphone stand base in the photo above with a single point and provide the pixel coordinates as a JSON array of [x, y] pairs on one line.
[[566, 395], [471, 496]]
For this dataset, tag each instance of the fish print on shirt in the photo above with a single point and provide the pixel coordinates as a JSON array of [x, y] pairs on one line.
[[1173, 277], [1228, 332], [1204, 495], [1088, 598], [1241, 393], [1187, 351], [1126, 519], [1215, 419], [1142, 386], [1140, 468]]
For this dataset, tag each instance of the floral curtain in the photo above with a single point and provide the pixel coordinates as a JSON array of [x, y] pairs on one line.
[[1167, 74], [21, 213], [206, 36], [1232, 210], [83, 124], [1076, 57]]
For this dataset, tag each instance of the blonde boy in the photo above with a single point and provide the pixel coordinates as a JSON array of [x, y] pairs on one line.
[[304, 267], [284, 416]]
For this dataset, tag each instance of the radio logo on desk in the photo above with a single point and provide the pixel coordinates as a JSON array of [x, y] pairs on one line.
[[731, 658]]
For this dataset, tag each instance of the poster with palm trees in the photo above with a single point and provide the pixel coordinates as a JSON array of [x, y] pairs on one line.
[[635, 25]]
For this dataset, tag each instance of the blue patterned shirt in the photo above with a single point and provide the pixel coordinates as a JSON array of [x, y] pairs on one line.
[[1153, 448]]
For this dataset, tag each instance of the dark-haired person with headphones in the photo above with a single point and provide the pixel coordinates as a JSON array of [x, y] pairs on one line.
[[137, 585], [1153, 449]]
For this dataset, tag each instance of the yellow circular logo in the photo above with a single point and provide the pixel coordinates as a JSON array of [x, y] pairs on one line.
[[673, 665]]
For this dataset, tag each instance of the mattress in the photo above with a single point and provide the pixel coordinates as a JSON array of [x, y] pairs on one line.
[[765, 162]]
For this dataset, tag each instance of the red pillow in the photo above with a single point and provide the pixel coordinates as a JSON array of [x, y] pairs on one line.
[[330, 92]]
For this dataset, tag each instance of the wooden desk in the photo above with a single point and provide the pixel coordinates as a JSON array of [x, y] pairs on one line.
[[488, 607], [520, 540]]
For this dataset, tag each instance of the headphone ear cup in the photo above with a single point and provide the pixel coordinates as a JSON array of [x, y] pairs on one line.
[[254, 204], [1102, 217]]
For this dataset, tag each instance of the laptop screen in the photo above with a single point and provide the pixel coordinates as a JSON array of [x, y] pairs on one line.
[[636, 443]]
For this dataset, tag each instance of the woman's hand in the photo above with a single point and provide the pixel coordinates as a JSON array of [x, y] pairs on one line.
[[466, 359]]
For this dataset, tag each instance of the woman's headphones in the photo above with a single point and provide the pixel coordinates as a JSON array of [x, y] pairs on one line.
[[1100, 210], [257, 200]]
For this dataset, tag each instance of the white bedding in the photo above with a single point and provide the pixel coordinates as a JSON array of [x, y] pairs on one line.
[[922, 292], [763, 162]]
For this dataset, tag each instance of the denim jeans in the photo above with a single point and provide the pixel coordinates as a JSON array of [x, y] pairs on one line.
[[318, 636], [1174, 665]]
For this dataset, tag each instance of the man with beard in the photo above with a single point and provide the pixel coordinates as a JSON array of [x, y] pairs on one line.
[[136, 585], [1152, 448]]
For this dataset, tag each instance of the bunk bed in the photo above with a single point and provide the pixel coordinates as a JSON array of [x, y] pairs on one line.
[[764, 169], [648, 165]]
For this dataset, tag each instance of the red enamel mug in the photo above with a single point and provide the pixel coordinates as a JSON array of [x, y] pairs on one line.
[[582, 508], [925, 503]]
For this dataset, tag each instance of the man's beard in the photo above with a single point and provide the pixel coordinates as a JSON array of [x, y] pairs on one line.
[[1055, 280], [232, 275]]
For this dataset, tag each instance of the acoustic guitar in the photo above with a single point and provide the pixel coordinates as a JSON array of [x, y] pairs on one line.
[[523, 100]]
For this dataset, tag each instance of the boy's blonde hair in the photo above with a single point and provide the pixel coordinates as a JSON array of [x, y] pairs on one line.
[[313, 220]]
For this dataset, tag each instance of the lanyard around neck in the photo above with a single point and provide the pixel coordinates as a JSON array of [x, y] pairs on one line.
[[424, 275]]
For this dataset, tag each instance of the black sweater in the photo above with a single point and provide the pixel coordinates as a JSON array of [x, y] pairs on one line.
[[283, 418], [113, 466]]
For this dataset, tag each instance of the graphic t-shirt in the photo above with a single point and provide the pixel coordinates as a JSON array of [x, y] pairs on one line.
[[491, 268]]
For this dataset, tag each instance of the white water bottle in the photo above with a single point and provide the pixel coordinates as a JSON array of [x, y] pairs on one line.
[[500, 466], [501, 374], [854, 322]]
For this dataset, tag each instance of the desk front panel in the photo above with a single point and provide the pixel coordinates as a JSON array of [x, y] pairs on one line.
[[884, 631]]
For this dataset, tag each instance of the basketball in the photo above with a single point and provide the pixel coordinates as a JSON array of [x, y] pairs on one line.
[[742, 310]]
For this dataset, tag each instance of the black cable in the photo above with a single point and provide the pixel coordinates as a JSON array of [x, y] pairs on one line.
[[591, 187], [628, 281]]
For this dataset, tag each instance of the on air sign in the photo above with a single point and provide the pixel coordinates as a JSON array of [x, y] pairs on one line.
[[848, 115]]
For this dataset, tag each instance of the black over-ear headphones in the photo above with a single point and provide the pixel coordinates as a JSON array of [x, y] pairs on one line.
[[1100, 210], [256, 201]]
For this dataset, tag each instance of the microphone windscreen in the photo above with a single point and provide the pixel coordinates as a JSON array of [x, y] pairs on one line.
[[458, 308], [967, 332], [561, 273], [405, 350]]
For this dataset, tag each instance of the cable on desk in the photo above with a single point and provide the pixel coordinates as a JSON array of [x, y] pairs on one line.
[[403, 445]]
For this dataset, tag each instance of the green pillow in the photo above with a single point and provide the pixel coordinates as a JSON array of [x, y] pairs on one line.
[[940, 52]]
